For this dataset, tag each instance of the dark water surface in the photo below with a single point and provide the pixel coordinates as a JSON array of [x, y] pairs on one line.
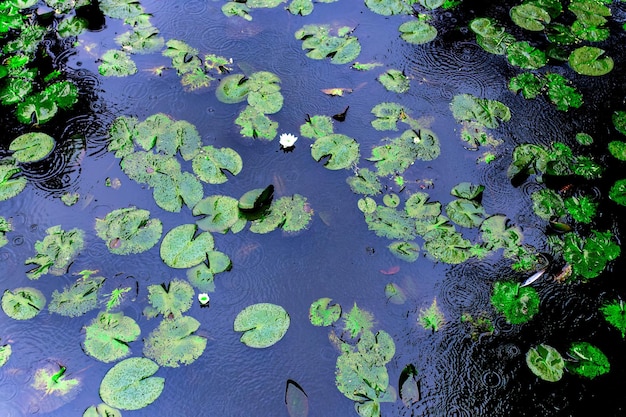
[[337, 256]]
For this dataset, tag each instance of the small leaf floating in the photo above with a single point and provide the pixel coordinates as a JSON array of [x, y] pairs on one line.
[[340, 117], [296, 399], [409, 387], [390, 271]]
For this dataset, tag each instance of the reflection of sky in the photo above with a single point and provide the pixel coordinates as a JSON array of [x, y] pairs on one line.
[[337, 257]]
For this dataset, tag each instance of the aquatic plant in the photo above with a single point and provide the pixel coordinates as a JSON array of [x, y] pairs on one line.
[[323, 313], [407, 251], [129, 230], [174, 343], [10, 184], [55, 252], [586, 60], [394, 80], [262, 324], [518, 304], [545, 362], [77, 299], [588, 360], [296, 399], [320, 44], [431, 318], [170, 300], [131, 384], [615, 313], [181, 247], [108, 335], [291, 213], [116, 64], [486, 112], [5, 353], [5, 227], [394, 293], [409, 387], [337, 151], [23, 303], [589, 256], [31, 147], [51, 380], [102, 410], [417, 31]]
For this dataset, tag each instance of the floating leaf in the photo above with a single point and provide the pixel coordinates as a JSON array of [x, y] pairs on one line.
[[432, 318], [342, 151], [220, 213], [387, 115], [447, 245], [171, 300], [365, 182], [409, 388], [141, 40], [129, 230], [617, 148], [547, 204], [530, 16], [561, 94], [417, 32], [317, 127], [108, 335], [51, 381], [407, 251], [582, 209], [174, 343], [322, 313], [171, 192], [395, 294], [255, 124], [589, 256], [182, 248], [10, 185], [296, 399], [211, 164], [56, 252], [394, 80], [130, 384], [23, 303], [389, 7], [545, 362], [497, 232], [586, 60], [233, 8], [589, 361], [528, 83], [488, 113], [31, 147], [358, 321], [5, 354], [201, 276], [101, 410], [5, 226], [518, 304], [615, 313], [320, 44], [116, 64], [617, 192], [262, 324], [292, 213], [232, 89], [78, 299], [391, 223], [619, 121], [466, 213]]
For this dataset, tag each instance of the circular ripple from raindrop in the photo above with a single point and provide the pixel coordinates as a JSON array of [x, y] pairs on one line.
[[508, 351], [87, 81], [232, 39], [464, 288], [493, 380], [498, 188], [93, 127]]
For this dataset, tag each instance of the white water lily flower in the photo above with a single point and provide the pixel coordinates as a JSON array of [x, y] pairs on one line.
[[287, 140], [203, 298]]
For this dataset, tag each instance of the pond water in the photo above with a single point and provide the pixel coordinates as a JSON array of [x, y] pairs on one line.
[[461, 370]]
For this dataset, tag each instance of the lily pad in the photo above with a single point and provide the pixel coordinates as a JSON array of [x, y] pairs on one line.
[[485, 112], [358, 321], [409, 388], [389, 7], [497, 232], [107, 337], [589, 361], [211, 164], [619, 121], [130, 384], [23, 303], [617, 192], [220, 213], [262, 324], [523, 55], [530, 16], [518, 304], [296, 399], [547, 204], [256, 203], [589, 256], [101, 410], [116, 64], [586, 60], [129, 230], [5, 226], [407, 251], [182, 248], [55, 252], [77, 299], [32, 147], [170, 300], [395, 294], [52, 381], [387, 115], [232, 89], [394, 80], [466, 213], [342, 151], [291, 213], [615, 313], [417, 32], [255, 124], [5, 354], [365, 182], [432, 318], [317, 127], [617, 148], [174, 343], [320, 44], [561, 94], [322, 313], [545, 362]]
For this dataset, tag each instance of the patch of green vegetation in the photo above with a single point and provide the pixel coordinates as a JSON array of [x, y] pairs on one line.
[[51, 380], [5, 354], [5, 227], [417, 31], [31, 147], [480, 325], [488, 113], [395, 294], [407, 251], [582, 209], [389, 7], [547, 204], [394, 80], [432, 318], [174, 343], [615, 313], [291, 213], [589, 361], [522, 54], [518, 304], [545, 362], [530, 16], [170, 300], [391, 200], [320, 44], [77, 299], [589, 256], [586, 60], [619, 121], [117, 63], [323, 313], [262, 324], [131, 384], [490, 36], [336, 150], [129, 230], [23, 303], [55, 252], [108, 336], [101, 410]]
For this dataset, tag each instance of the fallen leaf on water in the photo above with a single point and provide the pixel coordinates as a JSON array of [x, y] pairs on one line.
[[296, 400], [336, 91], [391, 271]]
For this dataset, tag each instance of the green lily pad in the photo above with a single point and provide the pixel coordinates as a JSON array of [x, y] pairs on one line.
[[120, 9], [417, 32], [523, 55], [582, 209], [387, 115], [589, 256], [530, 16], [141, 40], [365, 182], [211, 164], [170, 300], [32, 147], [342, 151], [5, 354], [256, 203], [432, 318], [317, 127], [107, 337], [485, 112], [51, 381], [358, 321], [497, 232], [101, 410], [129, 230], [220, 213], [262, 324], [389, 7], [394, 80], [23, 303], [291, 213], [77, 299], [300, 7], [5, 226], [130, 384], [615, 313], [323, 313], [518, 304], [561, 94], [55, 252], [320, 44], [182, 248], [447, 245], [407, 251], [116, 64], [10, 184], [617, 192], [255, 124], [589, 361], [202, 276], [619, 121], [171, 192], [617, 148], [395, 294], [545, 362], [232, 89], [466, 213], [233, 8], [547, 204], [586, 60], [467, 190], [528, 83], [174, 343]]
